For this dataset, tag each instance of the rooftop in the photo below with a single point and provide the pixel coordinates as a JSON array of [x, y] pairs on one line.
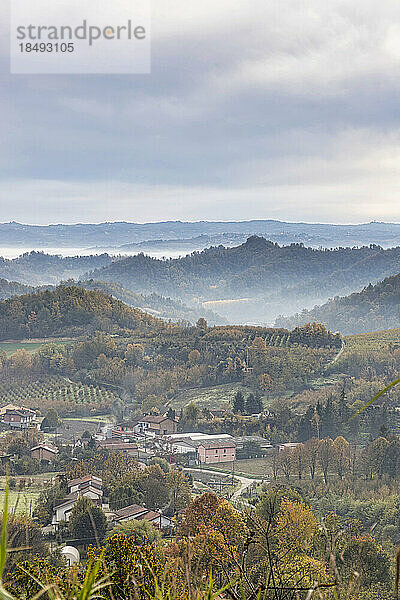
[[217, 444], [47, 447], [130, 511], [199, 436], [85, 479]]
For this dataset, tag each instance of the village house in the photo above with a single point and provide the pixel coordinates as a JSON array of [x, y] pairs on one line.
[[241, 440], [82, 487], [44, 452], [18, 417], [183, 443], [152, 425], [287, 446], [119, 445], [212, 451], [140, 513], [184, 446], [88, 482]]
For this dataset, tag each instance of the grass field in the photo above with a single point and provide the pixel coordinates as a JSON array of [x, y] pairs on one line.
[[218, 396], [11, 347], [94, 419], [21, 503], [24, 501]]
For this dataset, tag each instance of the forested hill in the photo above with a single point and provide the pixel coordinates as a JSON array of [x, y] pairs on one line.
[[375, 308], [154, 304], [257, 267], [38, 268], [69, 311], [12, 288]]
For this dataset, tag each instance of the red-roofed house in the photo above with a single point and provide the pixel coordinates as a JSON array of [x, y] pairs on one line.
[[140, 513], [18, 418]]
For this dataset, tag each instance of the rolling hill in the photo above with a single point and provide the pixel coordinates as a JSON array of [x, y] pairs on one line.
[[376, 307], [154, 304]]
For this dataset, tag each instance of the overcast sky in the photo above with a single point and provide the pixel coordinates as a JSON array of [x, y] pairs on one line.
[[254, 109]]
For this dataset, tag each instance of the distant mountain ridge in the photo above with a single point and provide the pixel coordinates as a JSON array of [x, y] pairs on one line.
[[375, 308], [83, 235]]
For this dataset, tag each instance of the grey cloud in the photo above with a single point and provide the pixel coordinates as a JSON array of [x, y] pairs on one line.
[[247, 103]]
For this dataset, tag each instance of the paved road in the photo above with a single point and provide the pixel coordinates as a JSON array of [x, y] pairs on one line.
[[245, 482]]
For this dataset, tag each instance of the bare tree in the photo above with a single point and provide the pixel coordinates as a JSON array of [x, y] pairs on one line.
[[311, 455], [325, 456]]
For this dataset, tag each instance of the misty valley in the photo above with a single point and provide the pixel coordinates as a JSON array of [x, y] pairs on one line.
[[237, 394]]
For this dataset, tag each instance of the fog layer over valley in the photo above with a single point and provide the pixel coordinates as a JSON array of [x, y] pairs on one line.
[[250, 283]]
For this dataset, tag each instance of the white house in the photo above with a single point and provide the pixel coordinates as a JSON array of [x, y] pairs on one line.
[[83, 487], [62, 510], [182, 443]]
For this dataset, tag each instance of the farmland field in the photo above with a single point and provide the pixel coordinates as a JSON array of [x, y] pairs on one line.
[[21, 502], [375, 341], [55, 389], [252, 467], [30, 346]]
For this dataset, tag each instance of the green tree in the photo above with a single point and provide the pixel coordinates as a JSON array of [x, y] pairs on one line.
[[46, 501], [325, 455], [87, 523], [25, 540], [154, 488], [202, 324], [369, 559], [51, 420], [239, 403], [125, 492], [140, 531], [341, 456], [180, 490], [191, 415], [253, 404]]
